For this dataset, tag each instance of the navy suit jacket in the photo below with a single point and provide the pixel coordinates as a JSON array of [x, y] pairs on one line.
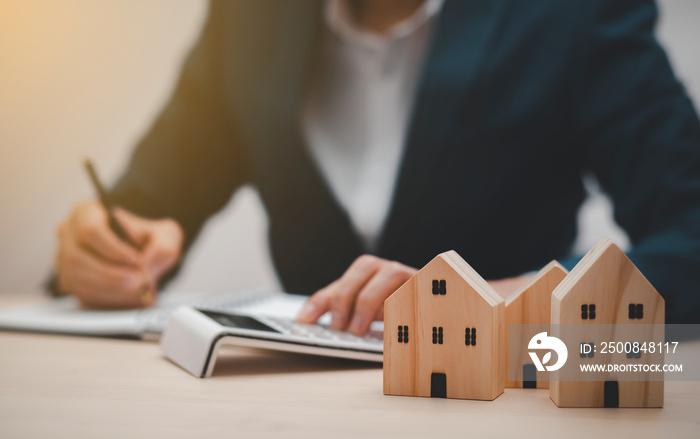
[[517, 100]]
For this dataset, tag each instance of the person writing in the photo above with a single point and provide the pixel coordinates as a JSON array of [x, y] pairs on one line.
[[380, 133]]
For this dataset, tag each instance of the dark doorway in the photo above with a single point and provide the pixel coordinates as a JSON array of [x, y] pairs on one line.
[[529, 376], [611, 394], [438, 385]]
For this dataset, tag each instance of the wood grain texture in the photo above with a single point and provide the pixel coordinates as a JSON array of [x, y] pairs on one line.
[[472, 372], [607, 278], [531, 305], [80, 387]]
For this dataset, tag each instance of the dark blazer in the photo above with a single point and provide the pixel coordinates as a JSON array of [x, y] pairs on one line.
[[517, 100]]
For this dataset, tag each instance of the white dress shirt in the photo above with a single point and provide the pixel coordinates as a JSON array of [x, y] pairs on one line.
[[357, 110]]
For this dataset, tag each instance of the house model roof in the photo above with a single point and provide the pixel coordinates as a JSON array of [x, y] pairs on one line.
[[604, 263], [465, 271], [554, 265]]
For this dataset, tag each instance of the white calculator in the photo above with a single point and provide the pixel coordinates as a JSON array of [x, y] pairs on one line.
[[192, 338]]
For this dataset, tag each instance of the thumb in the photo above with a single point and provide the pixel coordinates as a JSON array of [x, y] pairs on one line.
[[161, 252], [138, 228], [156, 260]]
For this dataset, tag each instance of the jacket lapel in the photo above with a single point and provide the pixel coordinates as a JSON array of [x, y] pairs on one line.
[[312, 238], [460, 39]]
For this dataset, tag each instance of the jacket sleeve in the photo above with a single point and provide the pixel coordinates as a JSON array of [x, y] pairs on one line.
[[191, 160], [640, 135]]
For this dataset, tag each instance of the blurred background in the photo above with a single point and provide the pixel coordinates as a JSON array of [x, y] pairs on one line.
[[85, 78]]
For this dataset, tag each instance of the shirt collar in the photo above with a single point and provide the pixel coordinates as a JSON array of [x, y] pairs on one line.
[[338, 21]]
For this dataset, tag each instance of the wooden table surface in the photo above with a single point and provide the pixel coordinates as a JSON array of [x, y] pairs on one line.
[[80, 387]]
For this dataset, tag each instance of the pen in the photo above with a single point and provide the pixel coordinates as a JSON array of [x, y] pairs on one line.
[[106, 203], [114, 224]]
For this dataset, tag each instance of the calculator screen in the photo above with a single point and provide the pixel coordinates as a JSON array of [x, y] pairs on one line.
[[237, 321]]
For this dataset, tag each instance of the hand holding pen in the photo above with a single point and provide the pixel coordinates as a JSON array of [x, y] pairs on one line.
[[111, 258]]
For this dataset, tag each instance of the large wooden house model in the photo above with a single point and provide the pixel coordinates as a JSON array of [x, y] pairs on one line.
[[444, 332], [606, 289], [530, 305]]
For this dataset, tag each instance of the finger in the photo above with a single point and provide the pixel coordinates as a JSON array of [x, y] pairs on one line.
[[138, 229], [370, 301], [339, 296], [149, 289], [92, 232], [91, 291], [380, 314], [315, 306], [346, 289], [98, 300], [161, 253], [88, 285], [97, 282]]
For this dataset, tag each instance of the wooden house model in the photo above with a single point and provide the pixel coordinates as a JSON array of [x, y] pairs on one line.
[[530, 305], [606, 288], [444, 332]]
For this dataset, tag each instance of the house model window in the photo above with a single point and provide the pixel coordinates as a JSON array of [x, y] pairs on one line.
[[588, 311], [439, 287], [437, 335], [403, 334], [470, 337], [636, 311]]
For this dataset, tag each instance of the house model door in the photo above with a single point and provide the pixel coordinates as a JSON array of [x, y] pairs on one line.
[[438, 385], [529, 376]]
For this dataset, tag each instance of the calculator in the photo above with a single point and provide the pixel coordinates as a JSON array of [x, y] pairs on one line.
[[193, 337]]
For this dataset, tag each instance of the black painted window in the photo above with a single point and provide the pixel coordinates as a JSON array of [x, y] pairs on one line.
[[470, 337], [439, 287], [636, 311], [437, 335], [403, 334], [588, 311]]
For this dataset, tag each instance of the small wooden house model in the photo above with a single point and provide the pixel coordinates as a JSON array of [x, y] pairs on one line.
[[530, 305], [444, 333], [606, 288]]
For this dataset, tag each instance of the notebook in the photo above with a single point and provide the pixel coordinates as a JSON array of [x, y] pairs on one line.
[[66, 316]]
